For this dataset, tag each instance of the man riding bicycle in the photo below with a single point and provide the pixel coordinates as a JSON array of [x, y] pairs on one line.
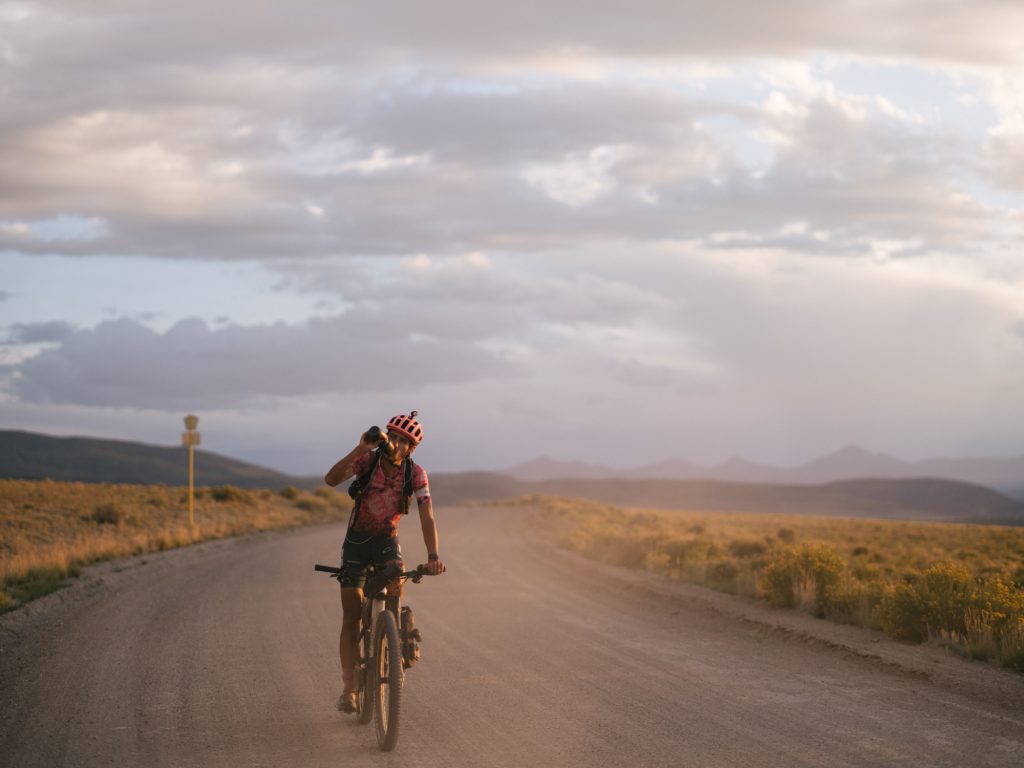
[[385, 480]]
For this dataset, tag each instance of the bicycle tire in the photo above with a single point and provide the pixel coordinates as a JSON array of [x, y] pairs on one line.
[[364, 697], [387, 678]]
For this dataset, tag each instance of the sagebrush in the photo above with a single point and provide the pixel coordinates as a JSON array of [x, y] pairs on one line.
[[50, 530], [959, 585]]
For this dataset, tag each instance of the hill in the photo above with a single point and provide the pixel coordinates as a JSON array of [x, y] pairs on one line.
[[543, 468], [925, 499], [851, 462], [30, 456]]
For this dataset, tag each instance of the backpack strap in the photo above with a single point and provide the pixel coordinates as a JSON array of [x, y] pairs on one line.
[[407, 488], [357, 488]]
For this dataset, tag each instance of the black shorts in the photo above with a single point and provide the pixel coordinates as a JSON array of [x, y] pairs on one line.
[[377, 551]]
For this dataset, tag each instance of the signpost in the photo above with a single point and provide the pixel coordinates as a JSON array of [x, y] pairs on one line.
[[190, 438]]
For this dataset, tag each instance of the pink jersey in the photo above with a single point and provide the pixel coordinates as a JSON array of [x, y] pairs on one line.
[[381, 506]]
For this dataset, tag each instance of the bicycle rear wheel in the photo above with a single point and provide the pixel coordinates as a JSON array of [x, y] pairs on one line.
[[364, 680], [386, 679]]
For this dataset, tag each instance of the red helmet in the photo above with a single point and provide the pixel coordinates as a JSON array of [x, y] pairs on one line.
[[408, 426]]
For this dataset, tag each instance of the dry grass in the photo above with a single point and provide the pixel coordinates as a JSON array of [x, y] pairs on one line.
[[959, 585], [50, 530]]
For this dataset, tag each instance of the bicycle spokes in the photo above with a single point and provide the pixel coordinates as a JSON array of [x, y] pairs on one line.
[[389, 678]]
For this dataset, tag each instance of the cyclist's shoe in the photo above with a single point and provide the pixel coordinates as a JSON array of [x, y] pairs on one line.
[[347, 702]]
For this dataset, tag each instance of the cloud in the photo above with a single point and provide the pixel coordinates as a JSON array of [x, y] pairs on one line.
[[633, 178], [783, 354], [781, 226], [1004, 154], [469, 317], [123, 363], [475, 296], [35, 333], [350, 131], [462, 30]]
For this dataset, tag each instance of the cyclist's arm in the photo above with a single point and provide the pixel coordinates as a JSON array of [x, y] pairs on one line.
[[342, 471], [429, 527]]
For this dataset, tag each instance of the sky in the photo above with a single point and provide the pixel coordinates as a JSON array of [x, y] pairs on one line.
[[563, 228]]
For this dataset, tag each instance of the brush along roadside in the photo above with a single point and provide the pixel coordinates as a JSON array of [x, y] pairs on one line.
[[50, 530], [961, 586]]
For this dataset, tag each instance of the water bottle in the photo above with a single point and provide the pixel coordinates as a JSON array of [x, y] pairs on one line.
[[376, 435]]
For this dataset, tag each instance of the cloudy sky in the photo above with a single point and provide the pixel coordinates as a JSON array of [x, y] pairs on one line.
[[684, 230]]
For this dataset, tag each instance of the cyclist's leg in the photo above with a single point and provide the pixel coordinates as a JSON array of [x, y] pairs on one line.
[[351, 605], [352, 580]]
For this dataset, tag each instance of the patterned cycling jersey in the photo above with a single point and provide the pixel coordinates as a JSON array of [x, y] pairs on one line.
[[381, 505]]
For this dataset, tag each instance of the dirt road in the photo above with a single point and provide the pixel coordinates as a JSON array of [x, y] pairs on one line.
[[225, 655]]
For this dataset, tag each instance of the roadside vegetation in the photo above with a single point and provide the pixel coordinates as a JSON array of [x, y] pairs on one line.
[[961, 586], [50, 530]]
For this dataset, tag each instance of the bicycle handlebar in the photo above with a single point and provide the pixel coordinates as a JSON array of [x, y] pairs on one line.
[[415, 575]]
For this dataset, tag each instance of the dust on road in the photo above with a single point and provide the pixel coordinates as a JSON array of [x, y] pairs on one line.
[[225, 655]]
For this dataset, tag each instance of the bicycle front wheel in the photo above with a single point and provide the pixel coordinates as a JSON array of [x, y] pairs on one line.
[[387, 679]]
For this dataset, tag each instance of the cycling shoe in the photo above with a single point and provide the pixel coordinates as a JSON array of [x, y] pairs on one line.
[[347, 702]]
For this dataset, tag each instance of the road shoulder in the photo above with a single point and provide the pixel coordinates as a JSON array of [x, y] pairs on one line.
[[978, 680]]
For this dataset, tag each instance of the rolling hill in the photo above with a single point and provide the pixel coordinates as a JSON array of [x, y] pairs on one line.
[[1005, 474], [30, 456], [923, 499]]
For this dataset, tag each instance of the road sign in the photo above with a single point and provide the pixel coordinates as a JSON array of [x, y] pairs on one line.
[[190, 438]]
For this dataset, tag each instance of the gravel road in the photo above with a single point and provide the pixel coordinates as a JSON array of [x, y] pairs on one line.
[[225, 654]]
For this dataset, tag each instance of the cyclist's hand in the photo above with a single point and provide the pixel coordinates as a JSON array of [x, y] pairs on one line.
[[433, 567]]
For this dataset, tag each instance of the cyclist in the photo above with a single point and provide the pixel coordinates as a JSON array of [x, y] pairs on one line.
[[372, 535]]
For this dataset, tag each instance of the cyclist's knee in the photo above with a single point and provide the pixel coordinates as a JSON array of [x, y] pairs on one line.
[[351, 604]]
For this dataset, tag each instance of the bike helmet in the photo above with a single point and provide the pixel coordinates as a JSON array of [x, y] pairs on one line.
[[408, 426]]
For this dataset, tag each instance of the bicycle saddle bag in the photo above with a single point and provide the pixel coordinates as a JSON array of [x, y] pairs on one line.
[[410, 638]]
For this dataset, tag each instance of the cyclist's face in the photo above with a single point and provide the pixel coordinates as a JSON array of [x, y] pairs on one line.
[[403, 446]]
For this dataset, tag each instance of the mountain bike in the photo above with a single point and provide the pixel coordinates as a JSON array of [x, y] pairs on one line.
[[388, 644]]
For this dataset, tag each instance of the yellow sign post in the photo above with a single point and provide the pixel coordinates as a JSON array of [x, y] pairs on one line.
[[190, 438]]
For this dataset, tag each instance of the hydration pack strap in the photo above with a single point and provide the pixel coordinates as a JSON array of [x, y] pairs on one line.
[[407, 488]]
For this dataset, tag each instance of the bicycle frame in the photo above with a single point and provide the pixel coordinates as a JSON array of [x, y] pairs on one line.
[[380, 672]]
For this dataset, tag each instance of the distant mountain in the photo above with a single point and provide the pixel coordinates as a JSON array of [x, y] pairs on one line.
[[462, 487], [1004, 474], [543, 468], [677, 468], [30, 456], [848, 463], [739, 470], [901, 499]]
